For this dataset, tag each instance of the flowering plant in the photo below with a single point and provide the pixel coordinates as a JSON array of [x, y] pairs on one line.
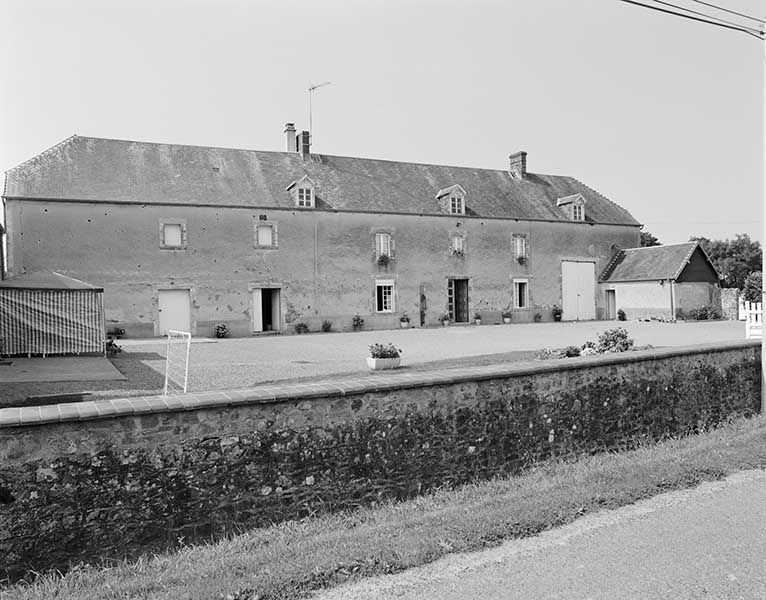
[[384, 351]]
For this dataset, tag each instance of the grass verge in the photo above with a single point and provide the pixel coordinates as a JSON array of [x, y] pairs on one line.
[[291, 559]]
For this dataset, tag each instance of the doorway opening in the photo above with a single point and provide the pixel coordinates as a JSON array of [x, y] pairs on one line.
[[611, 305], [457, 300], [266, 309]]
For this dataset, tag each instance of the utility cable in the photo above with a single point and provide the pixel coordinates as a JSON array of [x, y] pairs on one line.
[[694, 12], [733, 12], [670, 12]]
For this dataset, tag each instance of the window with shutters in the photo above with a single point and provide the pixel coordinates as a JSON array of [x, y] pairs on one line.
[[266, 235], [457, 244], [519, 243], [172, 234], [384, 295]]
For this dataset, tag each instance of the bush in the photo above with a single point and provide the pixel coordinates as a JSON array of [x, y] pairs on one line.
[[326, 326], [538, 317], [571, 351], [357, 322], [549, 353], [753, 291], [384, 351], [221, 331], [301, 327], [704, 313], [112, 349], [621, 315], [614, 340]]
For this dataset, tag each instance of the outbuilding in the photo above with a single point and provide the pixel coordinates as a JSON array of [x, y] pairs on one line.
[[660, 282], [47, 313]]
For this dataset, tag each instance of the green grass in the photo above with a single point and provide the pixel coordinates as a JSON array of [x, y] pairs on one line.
[[291, 559]]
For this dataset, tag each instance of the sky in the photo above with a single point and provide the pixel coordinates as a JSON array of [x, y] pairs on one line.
[[662, 115]]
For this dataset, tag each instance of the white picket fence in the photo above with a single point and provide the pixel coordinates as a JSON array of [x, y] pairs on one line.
[[753, 320]]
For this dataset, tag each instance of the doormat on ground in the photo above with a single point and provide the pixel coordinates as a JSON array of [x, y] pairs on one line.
[[59, 368]]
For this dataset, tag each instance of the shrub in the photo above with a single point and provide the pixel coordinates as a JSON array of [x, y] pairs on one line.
[[589, 346], [621, 315], [507, 314], [384, 351], [549, 353], [538, 317], [444, 317], [326, 326], [357, 322], [384, 260], [704, 313], [588, 352], [221, 331], [476, 316], [556, 311], [753, 292], [571, 351], [112, 349], [614, 340], [301, 327]]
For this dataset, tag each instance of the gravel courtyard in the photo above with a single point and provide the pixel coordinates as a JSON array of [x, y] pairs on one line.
[[244, 362]]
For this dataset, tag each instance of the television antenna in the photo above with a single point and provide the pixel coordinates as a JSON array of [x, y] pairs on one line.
[[312, 87]]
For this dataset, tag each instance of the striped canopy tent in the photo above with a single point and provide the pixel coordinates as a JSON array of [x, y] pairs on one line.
[[48, 313]]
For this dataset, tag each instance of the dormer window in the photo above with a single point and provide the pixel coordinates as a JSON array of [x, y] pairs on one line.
[[452, 200], [574, 206], [303, 192], [305, 197]]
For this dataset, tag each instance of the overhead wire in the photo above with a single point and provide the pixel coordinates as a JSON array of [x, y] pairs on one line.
[[689, 10], [733, 12], [748, 31]]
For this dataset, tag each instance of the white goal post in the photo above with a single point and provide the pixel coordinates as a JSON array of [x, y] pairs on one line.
[[177, 362]]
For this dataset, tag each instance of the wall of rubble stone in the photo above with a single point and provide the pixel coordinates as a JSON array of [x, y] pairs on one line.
[[121, 484]]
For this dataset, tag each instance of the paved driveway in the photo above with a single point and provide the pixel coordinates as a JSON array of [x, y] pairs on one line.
[[241, 362]]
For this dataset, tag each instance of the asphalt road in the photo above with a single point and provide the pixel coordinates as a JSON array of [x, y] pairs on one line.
[[708, 542]]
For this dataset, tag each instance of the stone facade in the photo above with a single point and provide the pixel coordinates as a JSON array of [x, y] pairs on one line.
[[324, 263]]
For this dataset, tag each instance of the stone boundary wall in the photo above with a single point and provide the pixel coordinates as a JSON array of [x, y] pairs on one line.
[[124, 476]]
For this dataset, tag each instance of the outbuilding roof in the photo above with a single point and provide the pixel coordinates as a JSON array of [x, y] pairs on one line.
[[654, 262], [46, 280], [115, 171]]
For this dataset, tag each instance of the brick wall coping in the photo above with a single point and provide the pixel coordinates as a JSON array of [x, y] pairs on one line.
[[359, 384]]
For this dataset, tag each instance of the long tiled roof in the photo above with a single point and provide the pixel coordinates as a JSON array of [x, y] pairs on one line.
[[85, 168], [46, 280], [655, 262]]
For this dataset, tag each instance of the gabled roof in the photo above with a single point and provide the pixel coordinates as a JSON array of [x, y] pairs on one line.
[[47, 280], [570, 199], [448, 190], [654, 262], [104, 170]]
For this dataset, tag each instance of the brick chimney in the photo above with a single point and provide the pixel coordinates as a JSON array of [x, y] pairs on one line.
[[292, 142], [305, 144], [518, 164]]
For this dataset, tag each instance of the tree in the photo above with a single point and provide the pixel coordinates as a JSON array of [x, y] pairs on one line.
[[753, 290], [647, 239], [734, 259]]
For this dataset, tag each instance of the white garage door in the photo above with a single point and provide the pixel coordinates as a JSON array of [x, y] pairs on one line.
[[578, 290], [175, 311]]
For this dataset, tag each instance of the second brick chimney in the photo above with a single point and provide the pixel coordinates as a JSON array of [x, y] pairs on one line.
[[304, 144], [518, 164]]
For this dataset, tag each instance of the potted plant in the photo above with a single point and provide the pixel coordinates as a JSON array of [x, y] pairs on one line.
[[444, 319], [383, 356], [221, 331], [384, 260], [404, 321], [522, 260], [357, 322], [477, 318], [507, 314], [556, 310]]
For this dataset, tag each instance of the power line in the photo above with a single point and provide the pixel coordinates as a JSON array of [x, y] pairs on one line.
[[670, 12], [733, 12], [694, 12]]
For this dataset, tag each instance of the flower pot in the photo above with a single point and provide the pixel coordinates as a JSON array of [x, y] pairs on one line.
[[376, 364], [506, 320], [477, 321], [404, 324], [445, 322]]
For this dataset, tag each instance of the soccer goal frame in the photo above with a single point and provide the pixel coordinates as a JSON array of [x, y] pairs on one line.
[[177, 362]]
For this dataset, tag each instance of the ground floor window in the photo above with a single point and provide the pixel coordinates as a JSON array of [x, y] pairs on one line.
[[520, 293], [384, 296]]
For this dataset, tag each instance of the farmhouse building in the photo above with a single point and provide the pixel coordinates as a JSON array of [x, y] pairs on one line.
[[185, 237], [661, 282]]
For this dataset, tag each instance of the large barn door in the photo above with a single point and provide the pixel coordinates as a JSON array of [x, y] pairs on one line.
[[578, 290]]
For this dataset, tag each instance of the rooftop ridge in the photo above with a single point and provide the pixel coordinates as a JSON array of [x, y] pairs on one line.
[[44, 153]]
